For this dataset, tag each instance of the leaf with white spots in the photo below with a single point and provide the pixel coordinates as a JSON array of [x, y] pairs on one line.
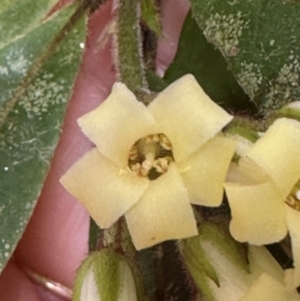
[[260, 41], [210, 70], [18, 18], [30, 126]]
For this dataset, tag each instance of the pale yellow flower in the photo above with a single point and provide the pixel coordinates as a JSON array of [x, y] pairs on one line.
[[263, 190], [110, 181]]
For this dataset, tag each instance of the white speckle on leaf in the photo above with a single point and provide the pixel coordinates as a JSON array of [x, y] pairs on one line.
[[44, 93], [224, 31], [233, 2], [3, 70], [7, 246], [17, 61], [272, 42], [81, 45], [285, 87], [250, 78], [6, 168]]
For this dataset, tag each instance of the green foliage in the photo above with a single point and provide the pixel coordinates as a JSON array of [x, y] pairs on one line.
[[260, 41], [150, 15], [18, 18], [30, 125], [198, 57], [195, 55]]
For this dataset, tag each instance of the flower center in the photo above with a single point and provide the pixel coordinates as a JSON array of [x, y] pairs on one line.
[[150, 156], [293, 200]]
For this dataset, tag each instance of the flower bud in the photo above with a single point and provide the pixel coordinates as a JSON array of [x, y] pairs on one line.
[[215, 263], [104, 276]]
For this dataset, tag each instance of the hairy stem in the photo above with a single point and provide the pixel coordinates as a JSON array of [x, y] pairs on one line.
[[128, 45]]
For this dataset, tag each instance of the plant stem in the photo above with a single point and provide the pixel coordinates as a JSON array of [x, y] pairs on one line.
[[128, 45]]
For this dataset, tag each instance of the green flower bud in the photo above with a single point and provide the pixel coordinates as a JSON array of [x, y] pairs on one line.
[[219, 269], [104, 276]]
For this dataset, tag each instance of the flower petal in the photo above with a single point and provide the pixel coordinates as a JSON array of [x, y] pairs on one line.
[[106, 191], [117, 124], [163, 213], [257, 209], [277, 152], [205, 171], [261, 261], [266, 288], [187, 116], [293, 222]]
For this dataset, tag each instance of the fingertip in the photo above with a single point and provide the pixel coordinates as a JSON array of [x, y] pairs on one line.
[[15, 286], [173, 16], [55, 241]]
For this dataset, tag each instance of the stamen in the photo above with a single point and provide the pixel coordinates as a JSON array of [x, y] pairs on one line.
[[151, 156], [293, 200], [133, 153], [148, 163], [165, 142], [298, 195], [161, 164]]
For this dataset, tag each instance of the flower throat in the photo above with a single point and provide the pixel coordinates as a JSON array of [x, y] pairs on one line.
[[150, 156], [293, 200]]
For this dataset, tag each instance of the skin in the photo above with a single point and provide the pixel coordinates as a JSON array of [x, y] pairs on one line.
[[55, 241]]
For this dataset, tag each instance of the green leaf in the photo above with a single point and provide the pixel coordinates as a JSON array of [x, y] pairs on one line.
[[30, 129], [150, 15], [195, 55], [18, 18], [260, 41]]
